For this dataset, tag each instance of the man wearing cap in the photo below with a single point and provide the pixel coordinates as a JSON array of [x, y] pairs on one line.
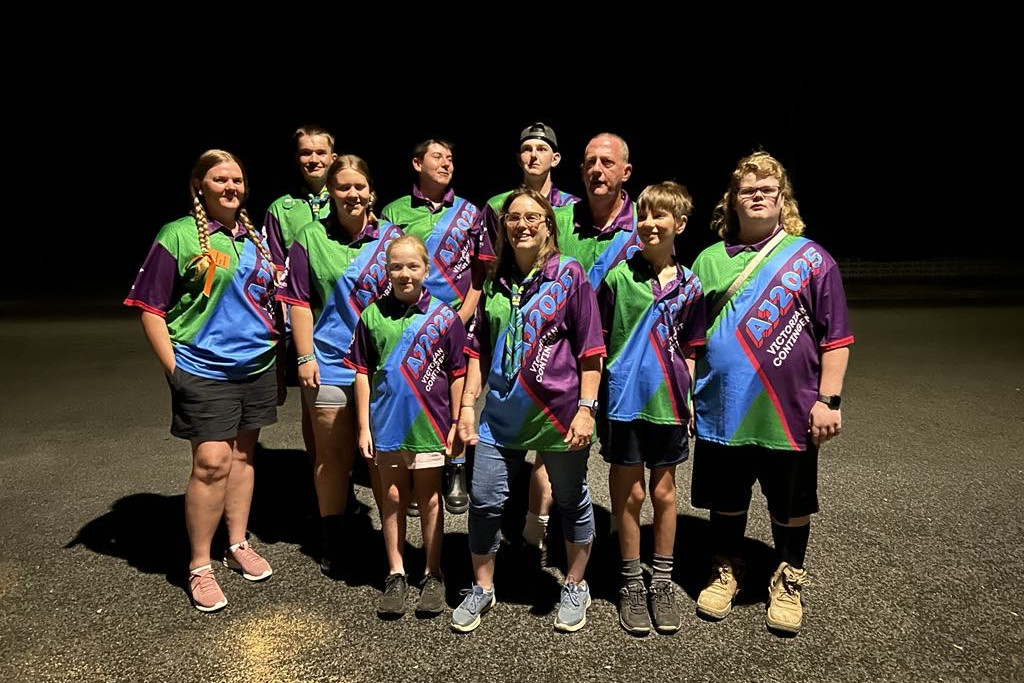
[[538, 154], [452, 230]]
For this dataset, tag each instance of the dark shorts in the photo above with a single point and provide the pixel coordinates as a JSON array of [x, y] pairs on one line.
[[218, 409], [723, 479], [291, 366], [644, 443]]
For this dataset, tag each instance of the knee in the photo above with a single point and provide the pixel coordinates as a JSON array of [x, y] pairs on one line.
[[636, 497], [664, 495], [210, 468]]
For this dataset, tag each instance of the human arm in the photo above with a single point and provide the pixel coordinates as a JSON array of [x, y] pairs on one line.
[[581, 429], [467, 404], [302, 337], [825, 423], [155, 329], [362, 395]]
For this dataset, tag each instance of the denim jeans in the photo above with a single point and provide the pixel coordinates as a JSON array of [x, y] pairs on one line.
[[494, 467]]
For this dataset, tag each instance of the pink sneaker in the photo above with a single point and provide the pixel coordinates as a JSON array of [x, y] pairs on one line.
[[242, 558], [204, 589]]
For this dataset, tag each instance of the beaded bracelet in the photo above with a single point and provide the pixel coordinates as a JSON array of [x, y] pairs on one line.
[[305, 359]]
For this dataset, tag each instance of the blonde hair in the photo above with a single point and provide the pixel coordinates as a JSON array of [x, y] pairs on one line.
[[763, 165], [411, 241], [669, 196], [207, 160]]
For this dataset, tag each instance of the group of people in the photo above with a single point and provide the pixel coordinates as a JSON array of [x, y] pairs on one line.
[[569, 318]]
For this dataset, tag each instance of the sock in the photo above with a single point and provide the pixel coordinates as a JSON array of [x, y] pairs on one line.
[[662, 566], [791, 543], [631, 570], [535, 529], [727, 533]]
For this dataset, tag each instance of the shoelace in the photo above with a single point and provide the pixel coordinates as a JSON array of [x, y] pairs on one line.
[[635, 596], [663, 595], [572, 592], [725, 575], [792, 583], [390, 582], [476, 598], [204, 583]]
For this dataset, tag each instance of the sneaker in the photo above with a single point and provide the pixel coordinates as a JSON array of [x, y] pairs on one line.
[[662, 597], [477, 602], [715, 601], [392, 602], [572, 610], [204, 590], [431, 602], [413, 510], [242, 558], [633, 614], [456, 498], [785, 609]]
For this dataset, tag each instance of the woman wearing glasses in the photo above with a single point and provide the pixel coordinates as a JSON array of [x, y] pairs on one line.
[[768, 386], [538, 333]]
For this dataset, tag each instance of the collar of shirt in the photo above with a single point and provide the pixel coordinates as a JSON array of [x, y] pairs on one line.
[[391, 304], [644, 267], [548, 272], [623, 221], [370, 231], [733, 248], [419, 199], [215, 226]]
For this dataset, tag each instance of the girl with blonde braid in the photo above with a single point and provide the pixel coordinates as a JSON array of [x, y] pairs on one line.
[[206, 291]]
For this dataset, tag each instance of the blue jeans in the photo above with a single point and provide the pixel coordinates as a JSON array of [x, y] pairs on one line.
[[494, 467]]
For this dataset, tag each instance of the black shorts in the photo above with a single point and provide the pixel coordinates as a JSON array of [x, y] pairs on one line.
[[291, 365], [218, 409], [640, 442], [723, 479]]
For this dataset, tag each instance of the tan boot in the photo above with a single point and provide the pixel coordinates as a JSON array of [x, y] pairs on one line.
[[785, 609], [715, 601]]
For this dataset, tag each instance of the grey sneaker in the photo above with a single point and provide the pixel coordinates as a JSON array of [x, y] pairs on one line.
[[477, 602], [633, 615], [392, 602], [572, 610], [431, 602], [662, 598]]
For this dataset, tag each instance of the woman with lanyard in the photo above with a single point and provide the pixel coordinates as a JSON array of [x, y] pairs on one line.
[[538, 332], [206, 293], [336, 269]]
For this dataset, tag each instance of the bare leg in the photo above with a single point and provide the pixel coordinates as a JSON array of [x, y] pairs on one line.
[[627, 491], [663, 495], [427, 488], [204, 496], [394, 498], [238, 497], [334, 432], [483, 570]]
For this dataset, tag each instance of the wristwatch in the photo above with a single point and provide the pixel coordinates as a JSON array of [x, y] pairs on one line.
[[831, 401], [588, 403]]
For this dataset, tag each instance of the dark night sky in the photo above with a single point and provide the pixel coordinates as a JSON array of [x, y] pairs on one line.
[[873, 178]]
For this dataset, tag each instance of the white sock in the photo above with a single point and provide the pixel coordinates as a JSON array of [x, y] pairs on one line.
[[535, 529]]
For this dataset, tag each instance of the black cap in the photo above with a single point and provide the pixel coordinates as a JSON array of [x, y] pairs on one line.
[[539, 131]]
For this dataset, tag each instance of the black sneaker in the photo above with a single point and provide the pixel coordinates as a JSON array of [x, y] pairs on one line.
[[633, 614], [662, 597], [392, 602], [456, 497], [431, 602]]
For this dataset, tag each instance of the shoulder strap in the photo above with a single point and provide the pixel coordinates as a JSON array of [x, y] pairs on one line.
[[741, 278]]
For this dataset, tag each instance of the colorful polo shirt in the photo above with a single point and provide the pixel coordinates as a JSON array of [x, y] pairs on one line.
[[293, 211], [337, 276], [598, 249], [411, 353], [532, 406], [650, 330], [758, 380], [454, 238], [222, 325], [492, 209]]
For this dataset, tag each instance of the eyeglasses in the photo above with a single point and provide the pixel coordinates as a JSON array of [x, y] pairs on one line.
[[769, 191], [530, 220]]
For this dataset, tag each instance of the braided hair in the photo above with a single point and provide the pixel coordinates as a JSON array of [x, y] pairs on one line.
[[201, 263]]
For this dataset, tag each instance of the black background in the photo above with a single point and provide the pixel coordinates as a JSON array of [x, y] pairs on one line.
[[884, 156]]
